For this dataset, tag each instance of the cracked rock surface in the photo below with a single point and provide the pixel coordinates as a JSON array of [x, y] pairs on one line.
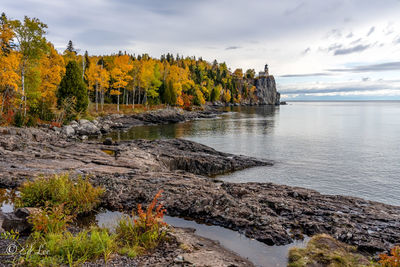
[[133, 172]]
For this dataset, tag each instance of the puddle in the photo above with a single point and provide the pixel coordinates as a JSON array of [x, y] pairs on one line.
[[257, 252], [109, 152]]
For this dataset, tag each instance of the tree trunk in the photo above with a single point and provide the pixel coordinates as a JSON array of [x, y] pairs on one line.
[[23, 87], [124, 96], [97, 100], [145, 98], [2, 104], [102, 100], [133, 97], [118, 99]]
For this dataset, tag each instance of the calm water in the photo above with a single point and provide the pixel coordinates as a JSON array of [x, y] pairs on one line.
[[347, 148], [258, 253]]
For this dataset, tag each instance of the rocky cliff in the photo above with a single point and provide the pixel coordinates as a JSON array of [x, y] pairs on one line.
[[266, 91]]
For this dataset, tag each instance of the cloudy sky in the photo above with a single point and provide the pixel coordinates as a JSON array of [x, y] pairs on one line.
[[330, 49]]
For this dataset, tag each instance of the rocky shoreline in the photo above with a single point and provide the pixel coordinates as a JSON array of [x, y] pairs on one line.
[[83, 128], [133, 171]]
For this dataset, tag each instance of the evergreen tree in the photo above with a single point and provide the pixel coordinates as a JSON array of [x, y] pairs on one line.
[[72, 85], [70, 47]]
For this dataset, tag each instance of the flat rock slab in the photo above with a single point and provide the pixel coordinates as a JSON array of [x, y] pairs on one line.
[[273, 214]]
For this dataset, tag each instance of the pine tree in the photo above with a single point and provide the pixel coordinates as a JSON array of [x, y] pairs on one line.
[[72, 85], [70, 47]]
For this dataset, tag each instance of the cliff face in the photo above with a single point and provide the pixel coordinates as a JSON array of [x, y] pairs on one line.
[[266, 91]]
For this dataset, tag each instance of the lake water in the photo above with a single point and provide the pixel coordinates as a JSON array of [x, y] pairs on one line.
[[346, 148]]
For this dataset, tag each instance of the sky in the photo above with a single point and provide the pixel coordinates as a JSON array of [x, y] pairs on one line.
[[316, 50]]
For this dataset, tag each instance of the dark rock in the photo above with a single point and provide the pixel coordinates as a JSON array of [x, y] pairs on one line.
[[264, 211], [18, 220], [108, 141]]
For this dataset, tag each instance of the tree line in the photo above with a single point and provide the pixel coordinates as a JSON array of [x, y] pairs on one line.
[[39, 83]]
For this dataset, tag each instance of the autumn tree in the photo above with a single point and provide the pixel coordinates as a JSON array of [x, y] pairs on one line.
[[98, 80], [32, 44], [120, 75], [73, 86], [9, 65], [51, 72]]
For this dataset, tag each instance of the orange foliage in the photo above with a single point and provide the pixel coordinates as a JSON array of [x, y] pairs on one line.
[[392, 260], [151, 217]]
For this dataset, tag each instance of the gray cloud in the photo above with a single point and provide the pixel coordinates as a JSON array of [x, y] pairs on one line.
[[306, 51], [350, 50], [305, 75], [232, 47], [342, 88], [371, 31], [349, 35], [102, 38], [388, 66], [356, 41], [291, 11]]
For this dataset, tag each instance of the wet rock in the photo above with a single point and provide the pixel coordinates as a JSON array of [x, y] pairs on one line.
[[267, 212]]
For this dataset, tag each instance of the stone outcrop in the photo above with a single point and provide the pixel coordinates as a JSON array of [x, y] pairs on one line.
[[104, 125], [266, 91], [273, 214]]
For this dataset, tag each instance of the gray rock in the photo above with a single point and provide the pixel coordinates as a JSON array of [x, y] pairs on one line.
[[56, 129], [18, 220], [68, 130], [83, 121], [87, 128], [266, 91]]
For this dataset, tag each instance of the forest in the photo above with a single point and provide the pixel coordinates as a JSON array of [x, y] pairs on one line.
[[37, 83]]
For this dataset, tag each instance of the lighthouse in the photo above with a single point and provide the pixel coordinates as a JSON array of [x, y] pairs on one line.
[[264, 73]]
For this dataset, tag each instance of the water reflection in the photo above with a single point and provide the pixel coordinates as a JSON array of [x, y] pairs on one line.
[[347, 148], [239, 120]]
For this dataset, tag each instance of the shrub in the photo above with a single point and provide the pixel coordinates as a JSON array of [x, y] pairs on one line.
[[50, 220], [18, 119], [77, 196], [144, 231], [392, 260]]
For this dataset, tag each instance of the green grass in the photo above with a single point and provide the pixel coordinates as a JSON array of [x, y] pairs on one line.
[[77, 196], [54, 249]]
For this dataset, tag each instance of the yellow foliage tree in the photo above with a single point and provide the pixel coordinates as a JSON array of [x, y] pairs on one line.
[[9, 78], [51, 72], [98, 79], [122, 66]]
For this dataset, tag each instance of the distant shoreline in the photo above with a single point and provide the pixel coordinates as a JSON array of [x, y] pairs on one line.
[[290, 101]]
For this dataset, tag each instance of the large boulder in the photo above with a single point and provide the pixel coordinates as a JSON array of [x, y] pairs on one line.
[[87, 128], [68, 130]]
